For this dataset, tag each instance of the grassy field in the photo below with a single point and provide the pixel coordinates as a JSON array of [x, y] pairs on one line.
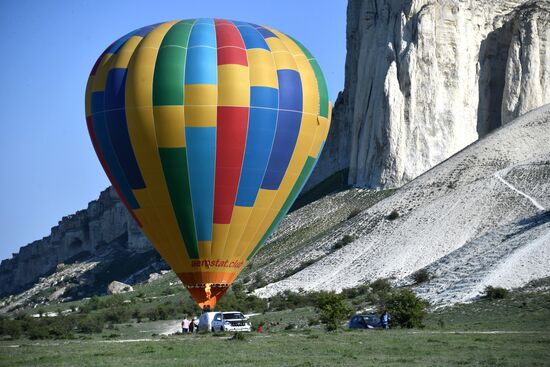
[[300, 348], [510, 332]]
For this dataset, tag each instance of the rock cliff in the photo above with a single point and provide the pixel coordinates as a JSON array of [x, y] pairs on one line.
[[424, 79], [105, 223]]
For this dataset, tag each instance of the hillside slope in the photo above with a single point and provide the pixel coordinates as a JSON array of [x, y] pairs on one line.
[[487, 203]]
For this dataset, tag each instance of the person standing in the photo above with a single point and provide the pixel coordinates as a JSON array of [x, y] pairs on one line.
[[195, 323], [385, 320], [185, 326]]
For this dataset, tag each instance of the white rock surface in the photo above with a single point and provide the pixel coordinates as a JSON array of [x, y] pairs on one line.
[[459, 220], [116, 287], [425, 78]]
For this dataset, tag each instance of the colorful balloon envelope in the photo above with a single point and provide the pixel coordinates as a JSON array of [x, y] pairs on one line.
[[208, 129]]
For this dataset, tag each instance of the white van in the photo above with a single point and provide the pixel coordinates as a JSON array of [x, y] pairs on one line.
[[205, 321], [224, 321]]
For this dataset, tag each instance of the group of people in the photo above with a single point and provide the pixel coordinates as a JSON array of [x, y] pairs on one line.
[[189, 326]]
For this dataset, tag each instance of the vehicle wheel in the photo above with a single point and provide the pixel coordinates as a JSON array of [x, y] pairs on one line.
[[222, 329]]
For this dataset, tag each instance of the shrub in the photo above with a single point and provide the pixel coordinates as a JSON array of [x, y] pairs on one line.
[[291, 326], [11, 328], [312, 321], [333, 309], [136, 314], [421, 276], [356, 291], [495, 292], [344, 241], [91, 324], [117, 315], [393, 215], [37, 332], [300, 267], [406, 309], [380, 285], [153, 314], [93, 304], [291, 300], [60, 327], [259, 281], [237, 299], [354, 213]]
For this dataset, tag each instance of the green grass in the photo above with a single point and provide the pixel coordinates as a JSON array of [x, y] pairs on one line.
[[396, 347]]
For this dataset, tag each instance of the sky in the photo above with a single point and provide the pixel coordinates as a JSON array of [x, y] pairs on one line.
[[47, 163]]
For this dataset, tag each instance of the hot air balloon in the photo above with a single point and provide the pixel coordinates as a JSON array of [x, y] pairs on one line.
[[208, 130]]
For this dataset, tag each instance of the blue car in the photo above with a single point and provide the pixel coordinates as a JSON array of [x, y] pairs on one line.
[[369, 321]]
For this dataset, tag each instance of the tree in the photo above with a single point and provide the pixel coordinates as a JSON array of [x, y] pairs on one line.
[[332, 309], [406, 309]]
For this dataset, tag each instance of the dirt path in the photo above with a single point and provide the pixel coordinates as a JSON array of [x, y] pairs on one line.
[[533, 201]]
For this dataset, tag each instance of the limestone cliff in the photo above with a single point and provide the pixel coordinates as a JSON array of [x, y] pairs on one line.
[[105, 223], [425, 78]]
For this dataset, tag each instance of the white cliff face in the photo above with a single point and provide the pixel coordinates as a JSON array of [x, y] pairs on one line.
[[528, 66], [426, 78]]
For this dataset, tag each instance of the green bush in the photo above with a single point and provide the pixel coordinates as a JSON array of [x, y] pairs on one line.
[[60, 327], [332, 308], [36, 331], [344, 241], [137, 314], [259, 281], [380, 285], [153, 314], [237, 299], [10, 328], [361, 290], [495, 292], [393, 215], [312, 321], [93, 304], [117, 315], [300, 267], [421, 276], [91, 324], [354, 213], [290, 326], [406, 309], [291, 300]]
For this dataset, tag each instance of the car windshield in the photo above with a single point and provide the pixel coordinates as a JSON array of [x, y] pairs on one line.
[[371, 319], [233, 315]]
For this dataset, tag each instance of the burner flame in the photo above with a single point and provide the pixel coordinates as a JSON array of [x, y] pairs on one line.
[[207, 290]]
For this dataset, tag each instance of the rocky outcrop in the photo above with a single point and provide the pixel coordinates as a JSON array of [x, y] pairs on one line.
[[117, 287], [425, 78], [105, 223]]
